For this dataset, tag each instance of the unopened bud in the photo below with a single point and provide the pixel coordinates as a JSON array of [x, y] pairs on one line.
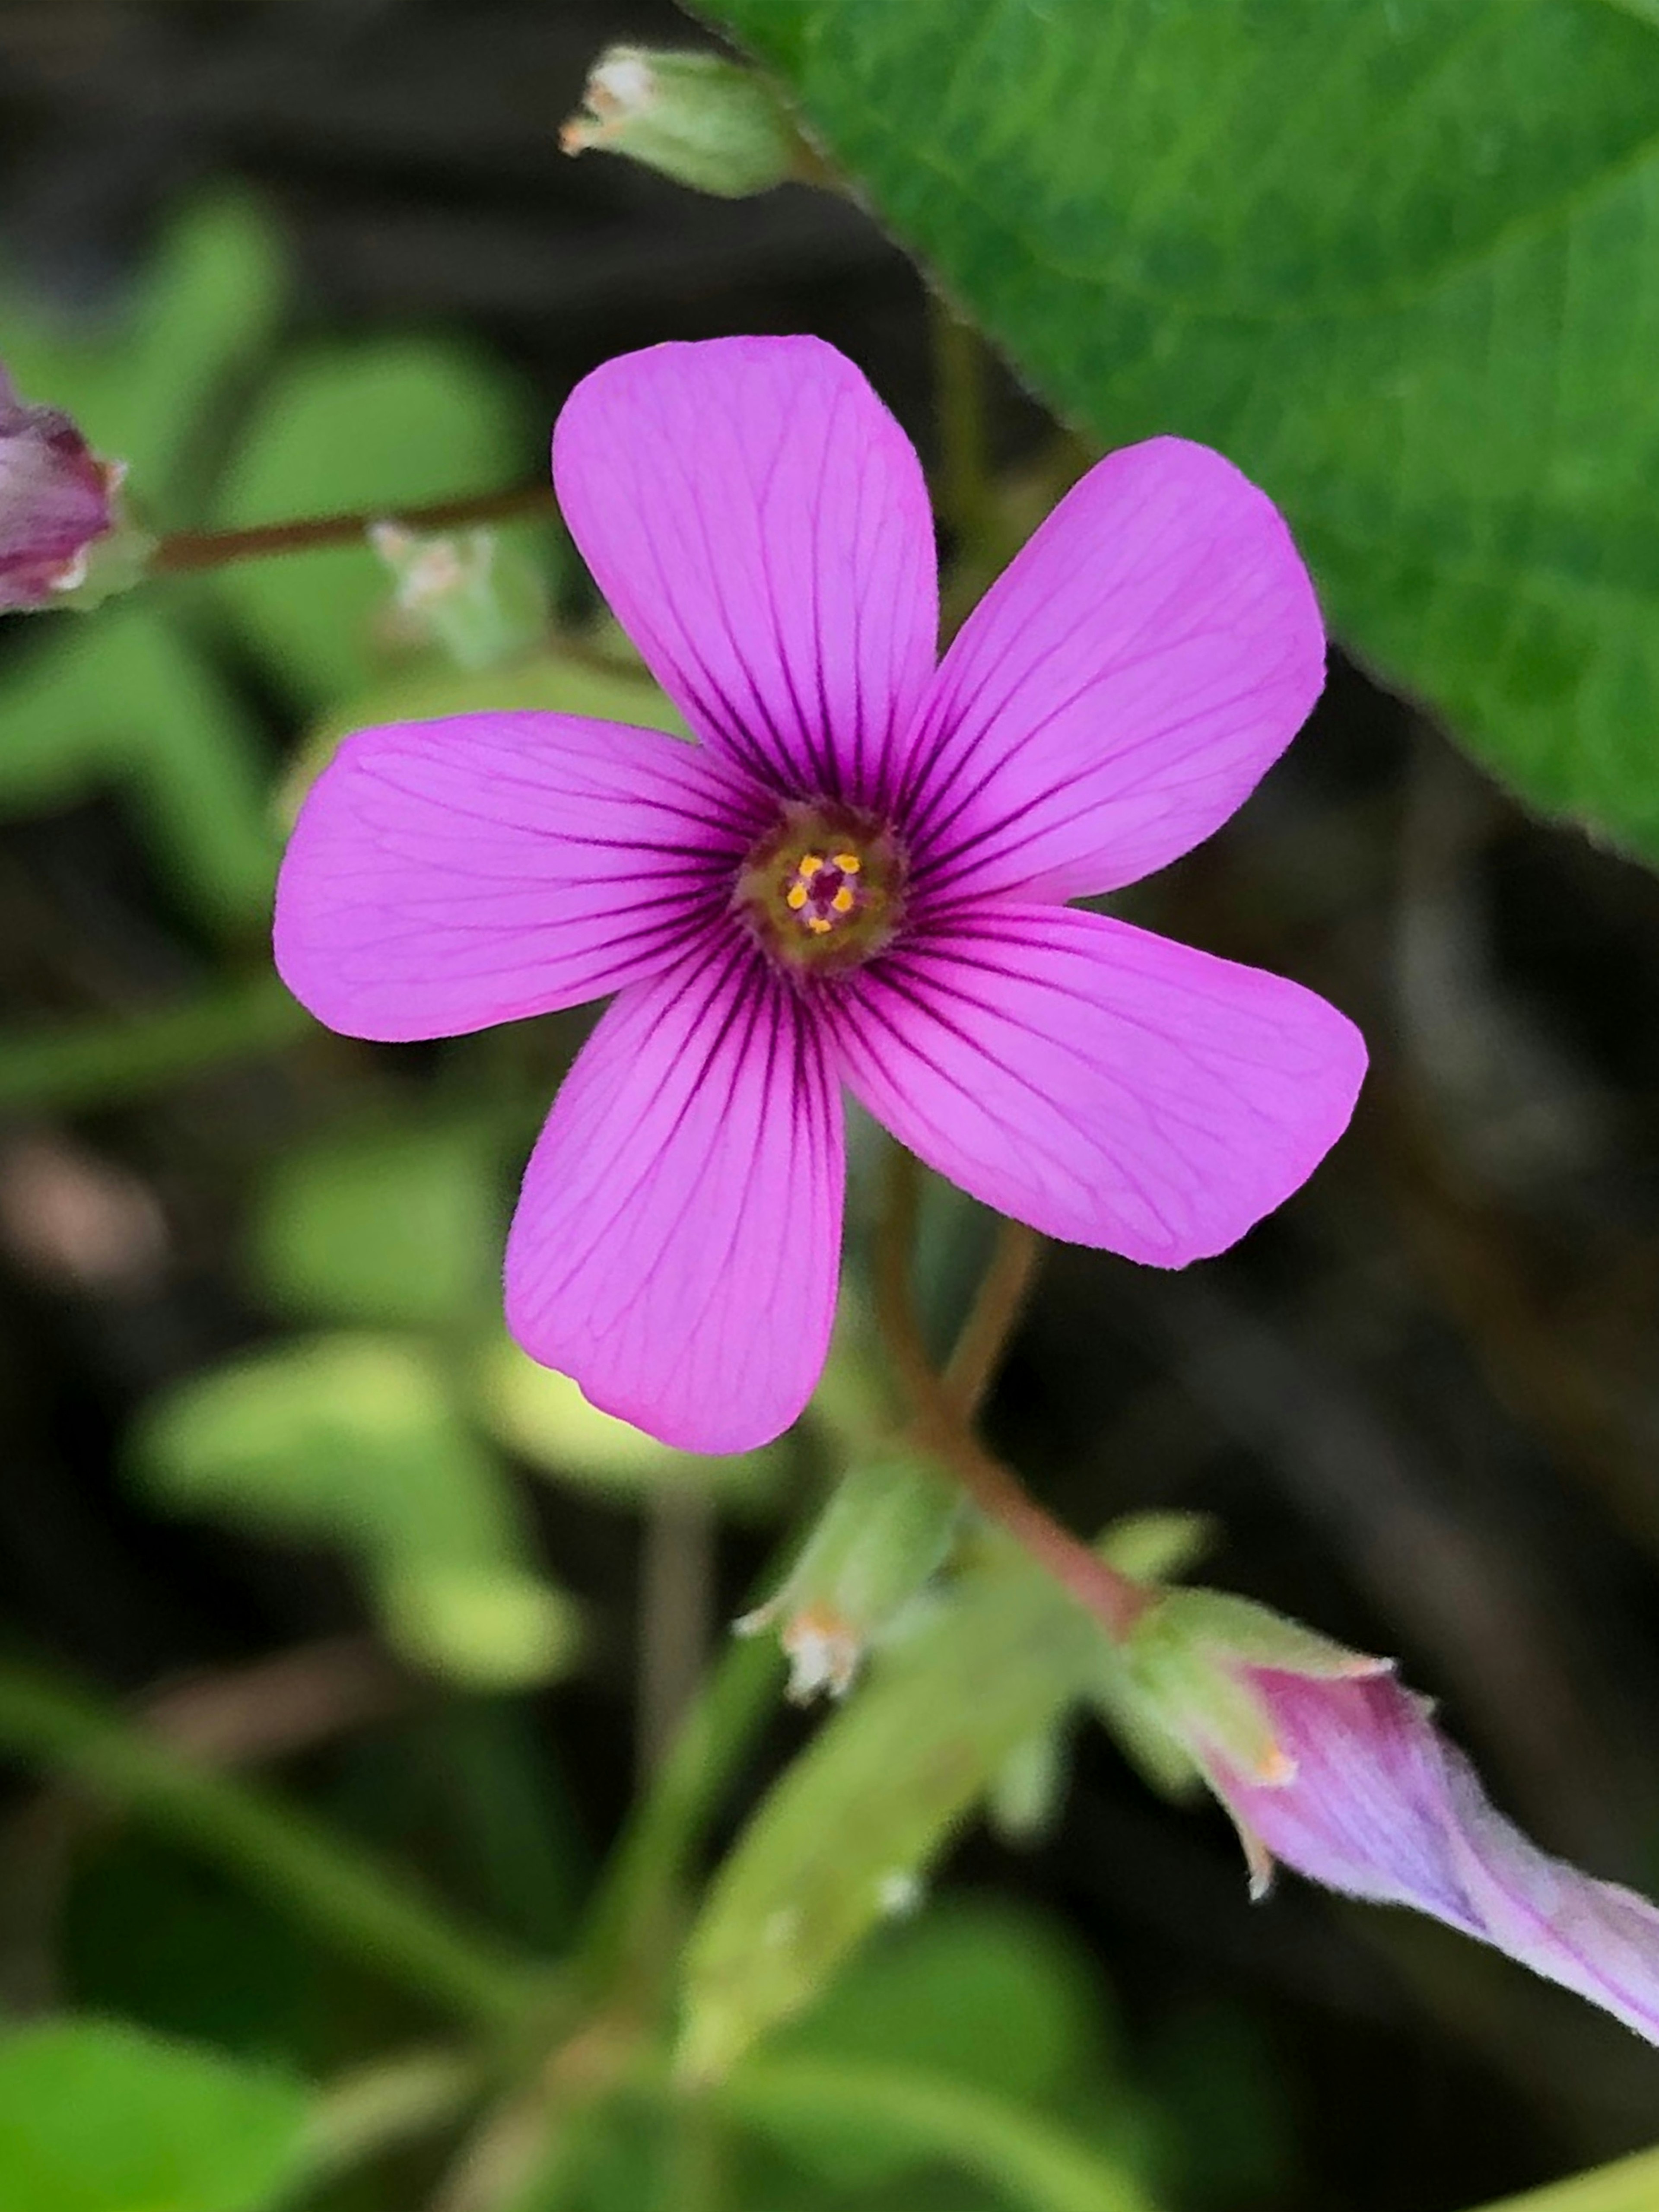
[[885, 1533], [705, 121], [1186, 1691], [461, 594], [64, 539]]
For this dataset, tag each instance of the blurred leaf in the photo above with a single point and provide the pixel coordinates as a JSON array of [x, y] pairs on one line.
[[1398, 262], [353, 1439], [141, 390], [386, 424], [1027, 2159], [123, 701], [543, 1416], [395, 1223], [844, 1835], [555, 683], [99, 2118], [977, 1991]]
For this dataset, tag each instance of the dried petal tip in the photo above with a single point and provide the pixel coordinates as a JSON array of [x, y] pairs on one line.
[[704, 121], [462, 594], [886, 1530], [59, 509]]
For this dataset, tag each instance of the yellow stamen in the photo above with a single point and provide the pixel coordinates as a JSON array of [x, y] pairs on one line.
[[842, 902], [819, 923], [808, 865], [795, 897], [848, 863]]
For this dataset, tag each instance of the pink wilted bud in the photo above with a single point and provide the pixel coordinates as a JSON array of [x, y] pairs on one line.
[[56, 500], [1371, 1799]]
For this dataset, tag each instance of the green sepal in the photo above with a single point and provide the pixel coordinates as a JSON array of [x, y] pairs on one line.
[[886, 1530], [697, 118]]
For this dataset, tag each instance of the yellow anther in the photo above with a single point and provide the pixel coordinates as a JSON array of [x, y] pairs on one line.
[[848, 863], [819, 923], [842, 902], [795, 897], [808, 865]]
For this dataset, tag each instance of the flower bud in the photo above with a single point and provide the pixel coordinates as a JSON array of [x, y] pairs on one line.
[[57, 501], [462, 594], [1328, 1764], [697, 118], [884, 1531]]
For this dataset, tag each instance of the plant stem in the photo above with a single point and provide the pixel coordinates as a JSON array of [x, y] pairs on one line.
[[387, 2103], [963, 493], [978, 1353], [942, 1428], [343, 1895], [188, 551], [633, 1921]]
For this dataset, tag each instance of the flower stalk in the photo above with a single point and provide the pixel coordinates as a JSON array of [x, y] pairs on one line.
[[188, 552], [943, 1413]]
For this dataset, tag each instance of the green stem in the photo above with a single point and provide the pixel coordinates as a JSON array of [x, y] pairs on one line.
[[635, 1918], [343, 1895], [963, 493], [68, 1067], [191, 550], [1022, 2155], [391, 2102]]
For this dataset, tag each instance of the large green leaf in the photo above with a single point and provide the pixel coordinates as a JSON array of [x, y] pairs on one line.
[[1401, 261], [99, 2118]]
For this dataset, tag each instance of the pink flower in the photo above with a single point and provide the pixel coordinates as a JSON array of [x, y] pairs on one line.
[[857, 875], [1371, 1799], [55, 502]]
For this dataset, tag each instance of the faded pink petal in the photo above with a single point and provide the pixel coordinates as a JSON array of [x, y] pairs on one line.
[[759, 525], [1121, 688], [445, 876], [1106, 1085], [55, 501], [678, 1239], [1381, 1807]]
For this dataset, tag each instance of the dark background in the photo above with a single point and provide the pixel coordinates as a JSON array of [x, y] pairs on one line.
[[1422, 1402]]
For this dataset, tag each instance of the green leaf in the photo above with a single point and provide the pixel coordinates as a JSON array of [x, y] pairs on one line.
[[975, 1991], [1029, 2160], [1401, 263], [145, 389], [846, 1834], [95, 2116], [387, 424], [1629, 2184], [123, 701], [543, 1416], [353, 1439], [399, 1223]]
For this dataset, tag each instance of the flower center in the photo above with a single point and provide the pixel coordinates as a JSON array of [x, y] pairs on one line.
[[824, 888]]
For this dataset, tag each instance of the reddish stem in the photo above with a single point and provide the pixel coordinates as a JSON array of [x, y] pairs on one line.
[[188, 550]]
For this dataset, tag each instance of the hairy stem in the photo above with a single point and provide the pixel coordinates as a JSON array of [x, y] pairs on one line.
[[943, 1428], [187, 552], [986, 1334]]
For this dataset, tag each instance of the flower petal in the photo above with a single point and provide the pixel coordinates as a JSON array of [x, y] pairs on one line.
[[445, 876], [1107, 1086], [677, 1236], [1381, 1807], [1122, 689], [759, 524]]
